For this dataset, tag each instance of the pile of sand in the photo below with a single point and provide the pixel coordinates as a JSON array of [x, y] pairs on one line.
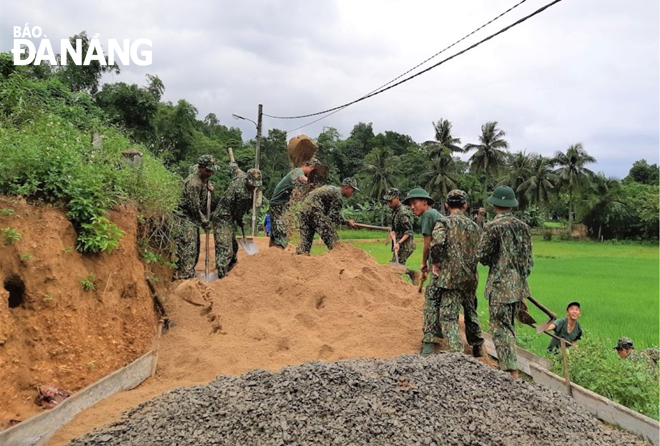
[[276, 309]]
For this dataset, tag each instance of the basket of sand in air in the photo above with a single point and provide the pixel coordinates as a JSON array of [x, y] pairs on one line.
[[301, 149]]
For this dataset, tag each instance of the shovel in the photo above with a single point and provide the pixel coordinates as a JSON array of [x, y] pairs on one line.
[[527, 319], [378, 228], [208, 276], [543, 327], [247, 244], [396, 265]]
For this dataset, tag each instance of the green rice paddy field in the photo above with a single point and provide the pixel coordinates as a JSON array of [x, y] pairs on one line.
[[616, 285]]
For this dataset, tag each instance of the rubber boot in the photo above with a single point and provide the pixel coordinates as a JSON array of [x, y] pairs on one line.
[[427, 349], [477, 351]]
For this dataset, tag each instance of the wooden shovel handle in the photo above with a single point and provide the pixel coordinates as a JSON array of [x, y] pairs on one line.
[[542, 307], [231, 155], [380, 228]]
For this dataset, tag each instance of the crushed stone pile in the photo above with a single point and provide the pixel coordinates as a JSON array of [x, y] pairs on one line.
[[446, 399]]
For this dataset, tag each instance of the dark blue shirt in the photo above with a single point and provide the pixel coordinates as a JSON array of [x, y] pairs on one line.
[[267, 223]]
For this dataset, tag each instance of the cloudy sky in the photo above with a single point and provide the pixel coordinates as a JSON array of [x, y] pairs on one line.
[[582, 71]]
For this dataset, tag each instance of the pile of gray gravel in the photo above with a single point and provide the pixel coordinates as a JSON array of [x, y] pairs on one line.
[[446, 399]]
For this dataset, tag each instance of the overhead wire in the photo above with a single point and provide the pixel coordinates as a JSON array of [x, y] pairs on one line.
[[387, 86]]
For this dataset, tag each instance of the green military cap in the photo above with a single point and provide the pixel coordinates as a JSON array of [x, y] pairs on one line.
[[504, 197], [391, 193], [457, 196], [624, 343], [418, 192], [351, 182], [207, 161], [254, 177]]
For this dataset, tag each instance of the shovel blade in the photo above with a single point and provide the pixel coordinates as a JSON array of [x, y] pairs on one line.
[[201, 275], [398, 267], [543, 327], [248, 246]]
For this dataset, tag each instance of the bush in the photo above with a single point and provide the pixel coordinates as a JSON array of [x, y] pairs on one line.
[[547, 235], [594, 365]]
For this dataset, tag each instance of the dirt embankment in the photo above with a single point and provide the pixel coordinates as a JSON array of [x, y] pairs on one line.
[[52, 331]]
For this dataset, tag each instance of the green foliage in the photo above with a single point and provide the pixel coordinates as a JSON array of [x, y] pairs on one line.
[[547, 235], [48, 298], [25, 258], [88, 283], [11, 235], [6, 212], [154, 257], [99, 235], [642, 172], [596, 366]]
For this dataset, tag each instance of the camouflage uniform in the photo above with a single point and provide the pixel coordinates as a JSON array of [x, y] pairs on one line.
[[192, 208], [279, 204], [401, 225], [234, 203], [506, 248], [321, 212], [453, 251]]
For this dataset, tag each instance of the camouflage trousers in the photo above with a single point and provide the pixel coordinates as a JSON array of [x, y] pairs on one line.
[[278, 233], [186, 241], [316, 222], [450, 307], [226, 246], [405, 251], [431, 327], [503, 327]]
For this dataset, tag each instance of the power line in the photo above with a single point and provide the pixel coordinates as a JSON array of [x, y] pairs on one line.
[[383, 89], [415, 67]]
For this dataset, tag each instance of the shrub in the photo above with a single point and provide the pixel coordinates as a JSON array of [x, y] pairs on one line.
[[594, 365], [88, 283], [11, 235], [99, 235], [547, 235]]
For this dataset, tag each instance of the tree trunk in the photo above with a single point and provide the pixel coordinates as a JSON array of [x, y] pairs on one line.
[[485, 190], [570, 212], [600, 227]]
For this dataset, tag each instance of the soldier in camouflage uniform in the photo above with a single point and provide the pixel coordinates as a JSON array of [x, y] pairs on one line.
[[506, 248], [401, 226], [626, 350], [321, 212], [192, 208], [454, 245], [279, 203], [234, 203]]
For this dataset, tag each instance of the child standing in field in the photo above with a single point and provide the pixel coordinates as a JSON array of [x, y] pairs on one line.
[[567, 328]]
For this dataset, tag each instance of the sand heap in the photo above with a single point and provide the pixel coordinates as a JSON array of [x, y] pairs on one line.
[[276, 309]]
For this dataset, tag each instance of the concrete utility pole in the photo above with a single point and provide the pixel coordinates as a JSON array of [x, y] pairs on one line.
[[257, 156]]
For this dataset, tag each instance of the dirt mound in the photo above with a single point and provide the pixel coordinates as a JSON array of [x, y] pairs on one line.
[[274, 309], [52, 331]]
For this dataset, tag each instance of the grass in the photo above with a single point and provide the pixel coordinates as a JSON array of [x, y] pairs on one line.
[[554, 224], [617, 286]]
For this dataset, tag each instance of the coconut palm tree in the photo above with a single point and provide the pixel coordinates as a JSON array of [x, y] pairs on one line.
[[380, 169], [444, 138], [573, 176], [519, 169], [540, 183], [441, 177], [488, 157], [603, 200]]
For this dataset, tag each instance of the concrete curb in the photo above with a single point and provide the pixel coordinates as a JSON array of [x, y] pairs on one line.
[[39, 428], [606, 410], [525, 358], [601, 407]]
